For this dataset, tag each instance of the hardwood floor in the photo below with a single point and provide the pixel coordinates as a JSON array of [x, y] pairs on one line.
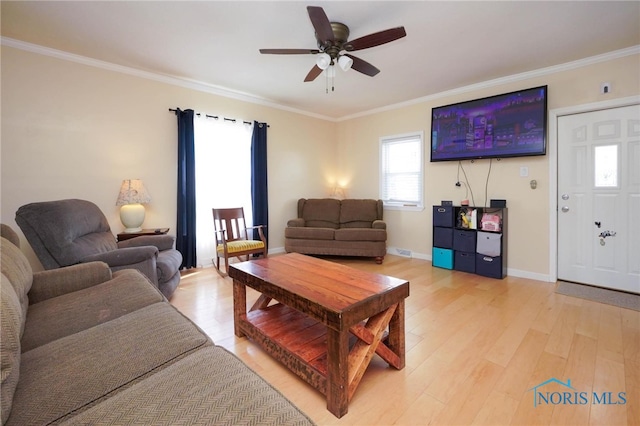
[[475, 349]]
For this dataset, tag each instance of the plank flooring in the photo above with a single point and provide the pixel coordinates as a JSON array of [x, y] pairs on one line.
[[475, 349]]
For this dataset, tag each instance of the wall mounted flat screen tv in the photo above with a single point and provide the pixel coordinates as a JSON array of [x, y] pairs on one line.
[[508, 125]]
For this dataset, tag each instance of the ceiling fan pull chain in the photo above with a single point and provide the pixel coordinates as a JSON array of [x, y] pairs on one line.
[[331, 74], [326, 89]]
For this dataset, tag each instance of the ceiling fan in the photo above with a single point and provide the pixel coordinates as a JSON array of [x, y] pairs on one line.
[[333, 44]]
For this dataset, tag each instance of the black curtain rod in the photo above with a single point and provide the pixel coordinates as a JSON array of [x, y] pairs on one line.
[[233, 120]]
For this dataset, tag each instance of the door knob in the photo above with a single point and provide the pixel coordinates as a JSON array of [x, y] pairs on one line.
[[565, 209], [565, 196]]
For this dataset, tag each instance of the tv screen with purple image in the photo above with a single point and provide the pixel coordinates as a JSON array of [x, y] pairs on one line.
[[509, 125]]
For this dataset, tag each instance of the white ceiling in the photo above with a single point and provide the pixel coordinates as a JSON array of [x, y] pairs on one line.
[[449, 44]]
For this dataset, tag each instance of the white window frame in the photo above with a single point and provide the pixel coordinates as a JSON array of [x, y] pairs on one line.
[[410, 205]]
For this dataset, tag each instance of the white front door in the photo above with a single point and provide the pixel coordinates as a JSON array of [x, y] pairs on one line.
[[599, 198]]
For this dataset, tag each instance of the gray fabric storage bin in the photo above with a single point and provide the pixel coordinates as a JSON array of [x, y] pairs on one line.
[[489, 243]]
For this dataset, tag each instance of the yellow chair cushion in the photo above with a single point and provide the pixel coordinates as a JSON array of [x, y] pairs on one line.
[[238, 246]]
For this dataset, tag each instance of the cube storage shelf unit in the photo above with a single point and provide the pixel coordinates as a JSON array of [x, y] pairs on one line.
[[464, 242]]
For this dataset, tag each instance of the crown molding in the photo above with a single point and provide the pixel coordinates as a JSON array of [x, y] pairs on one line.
[[616, 54], [247, 97], [162, 78]]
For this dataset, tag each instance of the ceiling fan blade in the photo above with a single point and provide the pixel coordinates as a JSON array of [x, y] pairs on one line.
[[363, 66], [315, 71], [321, 23], [375, 39], [289, 51]]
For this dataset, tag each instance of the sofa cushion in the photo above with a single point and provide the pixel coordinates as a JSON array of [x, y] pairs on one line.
[[56, 282], [320, 212], [360, 234], [337, 247], [77, 371], [128, 291], [232, 395], [310, 233], [359, 213], [11, 324], [15, 266]]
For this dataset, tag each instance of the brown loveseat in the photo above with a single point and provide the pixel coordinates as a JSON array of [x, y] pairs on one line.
[[85, 345], [338, 227]]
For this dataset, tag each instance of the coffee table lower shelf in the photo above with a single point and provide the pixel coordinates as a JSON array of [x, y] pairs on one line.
[[294, 339]]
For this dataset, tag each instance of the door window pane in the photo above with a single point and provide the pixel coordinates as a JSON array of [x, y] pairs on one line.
[[606, 166]]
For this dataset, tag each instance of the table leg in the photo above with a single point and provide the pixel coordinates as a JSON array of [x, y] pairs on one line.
[[239, 306], [337, 372], [396, 334]]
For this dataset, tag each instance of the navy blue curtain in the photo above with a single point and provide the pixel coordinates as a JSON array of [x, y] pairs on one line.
[[259, 194], [186, 226]]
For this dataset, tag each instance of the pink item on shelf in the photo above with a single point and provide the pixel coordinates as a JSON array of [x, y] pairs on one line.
[[490, 222]]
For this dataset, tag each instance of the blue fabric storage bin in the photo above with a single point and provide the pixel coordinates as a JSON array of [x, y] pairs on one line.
[[442, 237], [464, 240], [465, 262], [443, 216], [489, 266], [442, 258]]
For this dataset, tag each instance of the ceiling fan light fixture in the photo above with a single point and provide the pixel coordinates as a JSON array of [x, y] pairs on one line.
[[345, 62], [323, 61]]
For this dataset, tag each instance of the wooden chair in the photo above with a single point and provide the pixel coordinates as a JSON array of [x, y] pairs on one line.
[[231, 237]]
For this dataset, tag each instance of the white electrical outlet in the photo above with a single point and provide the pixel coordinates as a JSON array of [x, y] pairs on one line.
[[605, 88], [524, 171]]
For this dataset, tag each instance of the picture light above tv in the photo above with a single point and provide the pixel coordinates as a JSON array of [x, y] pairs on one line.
[[509, 125]]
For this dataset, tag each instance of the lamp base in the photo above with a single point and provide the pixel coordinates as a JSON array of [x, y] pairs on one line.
[[132, 216], [132, 230]]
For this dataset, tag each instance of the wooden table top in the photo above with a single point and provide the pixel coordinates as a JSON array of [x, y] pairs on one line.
[[337, 295]]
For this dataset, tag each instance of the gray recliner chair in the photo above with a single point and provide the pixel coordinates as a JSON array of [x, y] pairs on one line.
[[67, 232]]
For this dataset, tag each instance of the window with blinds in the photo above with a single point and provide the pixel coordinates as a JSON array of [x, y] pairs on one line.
[[402, 171]]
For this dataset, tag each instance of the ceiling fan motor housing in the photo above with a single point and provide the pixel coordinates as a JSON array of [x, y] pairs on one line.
[[340, 35]]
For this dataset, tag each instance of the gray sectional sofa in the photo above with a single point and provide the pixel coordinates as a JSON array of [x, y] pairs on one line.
[[326, 226], [85, 345]]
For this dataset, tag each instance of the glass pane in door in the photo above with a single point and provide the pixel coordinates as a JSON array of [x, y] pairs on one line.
[[606, 166]]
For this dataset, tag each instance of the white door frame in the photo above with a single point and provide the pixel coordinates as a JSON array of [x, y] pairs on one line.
[[553, 167]]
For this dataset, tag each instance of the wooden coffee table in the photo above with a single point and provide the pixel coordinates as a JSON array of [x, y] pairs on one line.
[[326, 322]]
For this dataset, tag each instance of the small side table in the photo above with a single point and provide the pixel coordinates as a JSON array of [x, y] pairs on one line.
[[154, 231]]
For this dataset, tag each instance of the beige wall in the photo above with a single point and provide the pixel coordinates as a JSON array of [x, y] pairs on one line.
[[528, 239], [71, 130], [75, 131]]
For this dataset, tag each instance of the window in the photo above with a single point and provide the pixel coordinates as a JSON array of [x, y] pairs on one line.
[[223, 177], [402, 171]]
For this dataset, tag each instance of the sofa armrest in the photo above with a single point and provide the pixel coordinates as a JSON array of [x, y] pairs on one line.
[[296, 223], [56, 282], [124, 256], [379, 224], [162, 242]]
